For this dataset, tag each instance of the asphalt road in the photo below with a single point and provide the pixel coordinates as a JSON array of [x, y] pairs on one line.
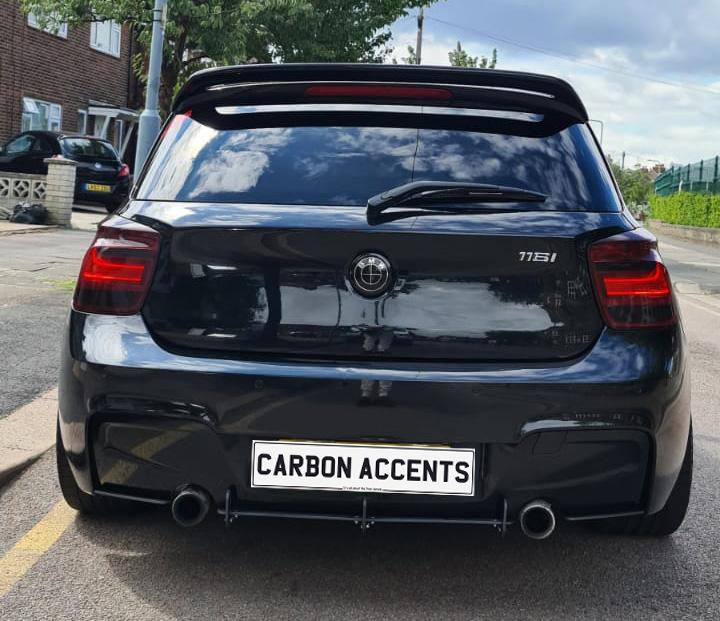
[[695, 267], [142, 566], [37, 273]]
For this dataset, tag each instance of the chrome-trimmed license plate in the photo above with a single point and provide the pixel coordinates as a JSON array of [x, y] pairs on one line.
[[376, 468]]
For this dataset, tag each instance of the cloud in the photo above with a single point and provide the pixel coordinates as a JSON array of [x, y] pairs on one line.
[[663, 37], [648, 120]]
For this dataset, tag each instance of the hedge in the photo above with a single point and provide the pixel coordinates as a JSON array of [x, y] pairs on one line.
[[687, 208]]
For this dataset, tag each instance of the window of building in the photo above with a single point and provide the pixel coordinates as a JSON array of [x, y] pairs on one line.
[[38, 114], [105, 37], [82, 122], [51, 25], [100, 126]]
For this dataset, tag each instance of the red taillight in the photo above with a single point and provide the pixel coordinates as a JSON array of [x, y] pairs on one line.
[[631, 283], [124, 171], [370, 91], [651, 283], [117, 269]]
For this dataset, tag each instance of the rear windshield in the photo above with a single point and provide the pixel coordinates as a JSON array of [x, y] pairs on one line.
[[87, 147], [322, 165]]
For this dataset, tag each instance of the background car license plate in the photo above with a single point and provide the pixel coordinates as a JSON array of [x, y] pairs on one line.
[[383, 468], [97, 187]]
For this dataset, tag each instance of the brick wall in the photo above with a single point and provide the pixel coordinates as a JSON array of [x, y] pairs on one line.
[[68, 71]]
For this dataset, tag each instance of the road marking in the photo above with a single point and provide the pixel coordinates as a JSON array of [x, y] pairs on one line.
[[696, 263], [38, 540], [700, 306]]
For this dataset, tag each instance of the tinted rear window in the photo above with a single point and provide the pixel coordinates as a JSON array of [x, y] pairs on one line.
[[87, 147], [322, 165]]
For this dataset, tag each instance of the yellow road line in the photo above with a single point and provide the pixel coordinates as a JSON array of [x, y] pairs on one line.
[[38, 540]]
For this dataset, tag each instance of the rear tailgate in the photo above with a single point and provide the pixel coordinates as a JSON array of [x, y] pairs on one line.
[[98, 172], [500, 290], [264, 214]]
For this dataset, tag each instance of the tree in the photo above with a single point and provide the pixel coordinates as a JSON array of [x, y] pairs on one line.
[[202, 33], [460, 58], [635, 183], [490, 63], [411, 58], [334, 30]]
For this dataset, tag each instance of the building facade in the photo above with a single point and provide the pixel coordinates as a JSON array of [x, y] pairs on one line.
[[76, 79]]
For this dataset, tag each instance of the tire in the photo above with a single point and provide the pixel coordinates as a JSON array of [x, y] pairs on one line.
[[666, 521], [86, 504]]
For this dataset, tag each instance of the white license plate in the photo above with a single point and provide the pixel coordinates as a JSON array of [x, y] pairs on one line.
[[383, 468]]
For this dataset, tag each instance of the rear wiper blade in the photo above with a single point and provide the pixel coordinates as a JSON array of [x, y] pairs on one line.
[[403, 214], [422, 193]]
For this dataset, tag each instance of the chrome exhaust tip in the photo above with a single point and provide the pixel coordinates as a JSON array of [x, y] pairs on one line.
[[537, 519], [190, 507]]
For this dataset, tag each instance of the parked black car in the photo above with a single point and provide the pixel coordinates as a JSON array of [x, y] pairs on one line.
[[375, 294], [101, 177]]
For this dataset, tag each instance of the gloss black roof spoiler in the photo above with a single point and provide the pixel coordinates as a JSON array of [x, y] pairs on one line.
[[489, 89]]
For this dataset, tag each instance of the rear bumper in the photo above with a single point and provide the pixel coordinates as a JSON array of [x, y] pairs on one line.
[[598, 435]]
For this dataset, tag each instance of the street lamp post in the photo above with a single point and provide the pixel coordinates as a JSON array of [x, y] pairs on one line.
[[418, 47], [602, 128], [149, 123]]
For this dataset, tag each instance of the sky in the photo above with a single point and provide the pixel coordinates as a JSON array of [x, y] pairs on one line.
[[649, 70]]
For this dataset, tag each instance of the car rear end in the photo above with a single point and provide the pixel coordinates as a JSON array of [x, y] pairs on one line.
[[100, 176], [247, 334]]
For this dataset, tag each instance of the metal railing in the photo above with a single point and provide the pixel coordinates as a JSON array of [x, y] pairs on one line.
[[701, 177]]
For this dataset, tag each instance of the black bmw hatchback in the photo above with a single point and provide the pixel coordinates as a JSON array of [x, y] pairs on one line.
[[377, 294], [100, 176]]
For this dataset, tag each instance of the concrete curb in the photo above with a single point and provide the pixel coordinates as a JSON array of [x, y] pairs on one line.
[[80, 221], [26, 434], [24, 229], [694, 233]]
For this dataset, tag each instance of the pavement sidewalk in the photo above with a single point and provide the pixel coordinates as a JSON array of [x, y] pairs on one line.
[[27, 433], [81, 220], [87, 220]]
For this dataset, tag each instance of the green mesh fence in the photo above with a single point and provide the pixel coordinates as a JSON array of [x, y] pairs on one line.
[[702, 177]]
